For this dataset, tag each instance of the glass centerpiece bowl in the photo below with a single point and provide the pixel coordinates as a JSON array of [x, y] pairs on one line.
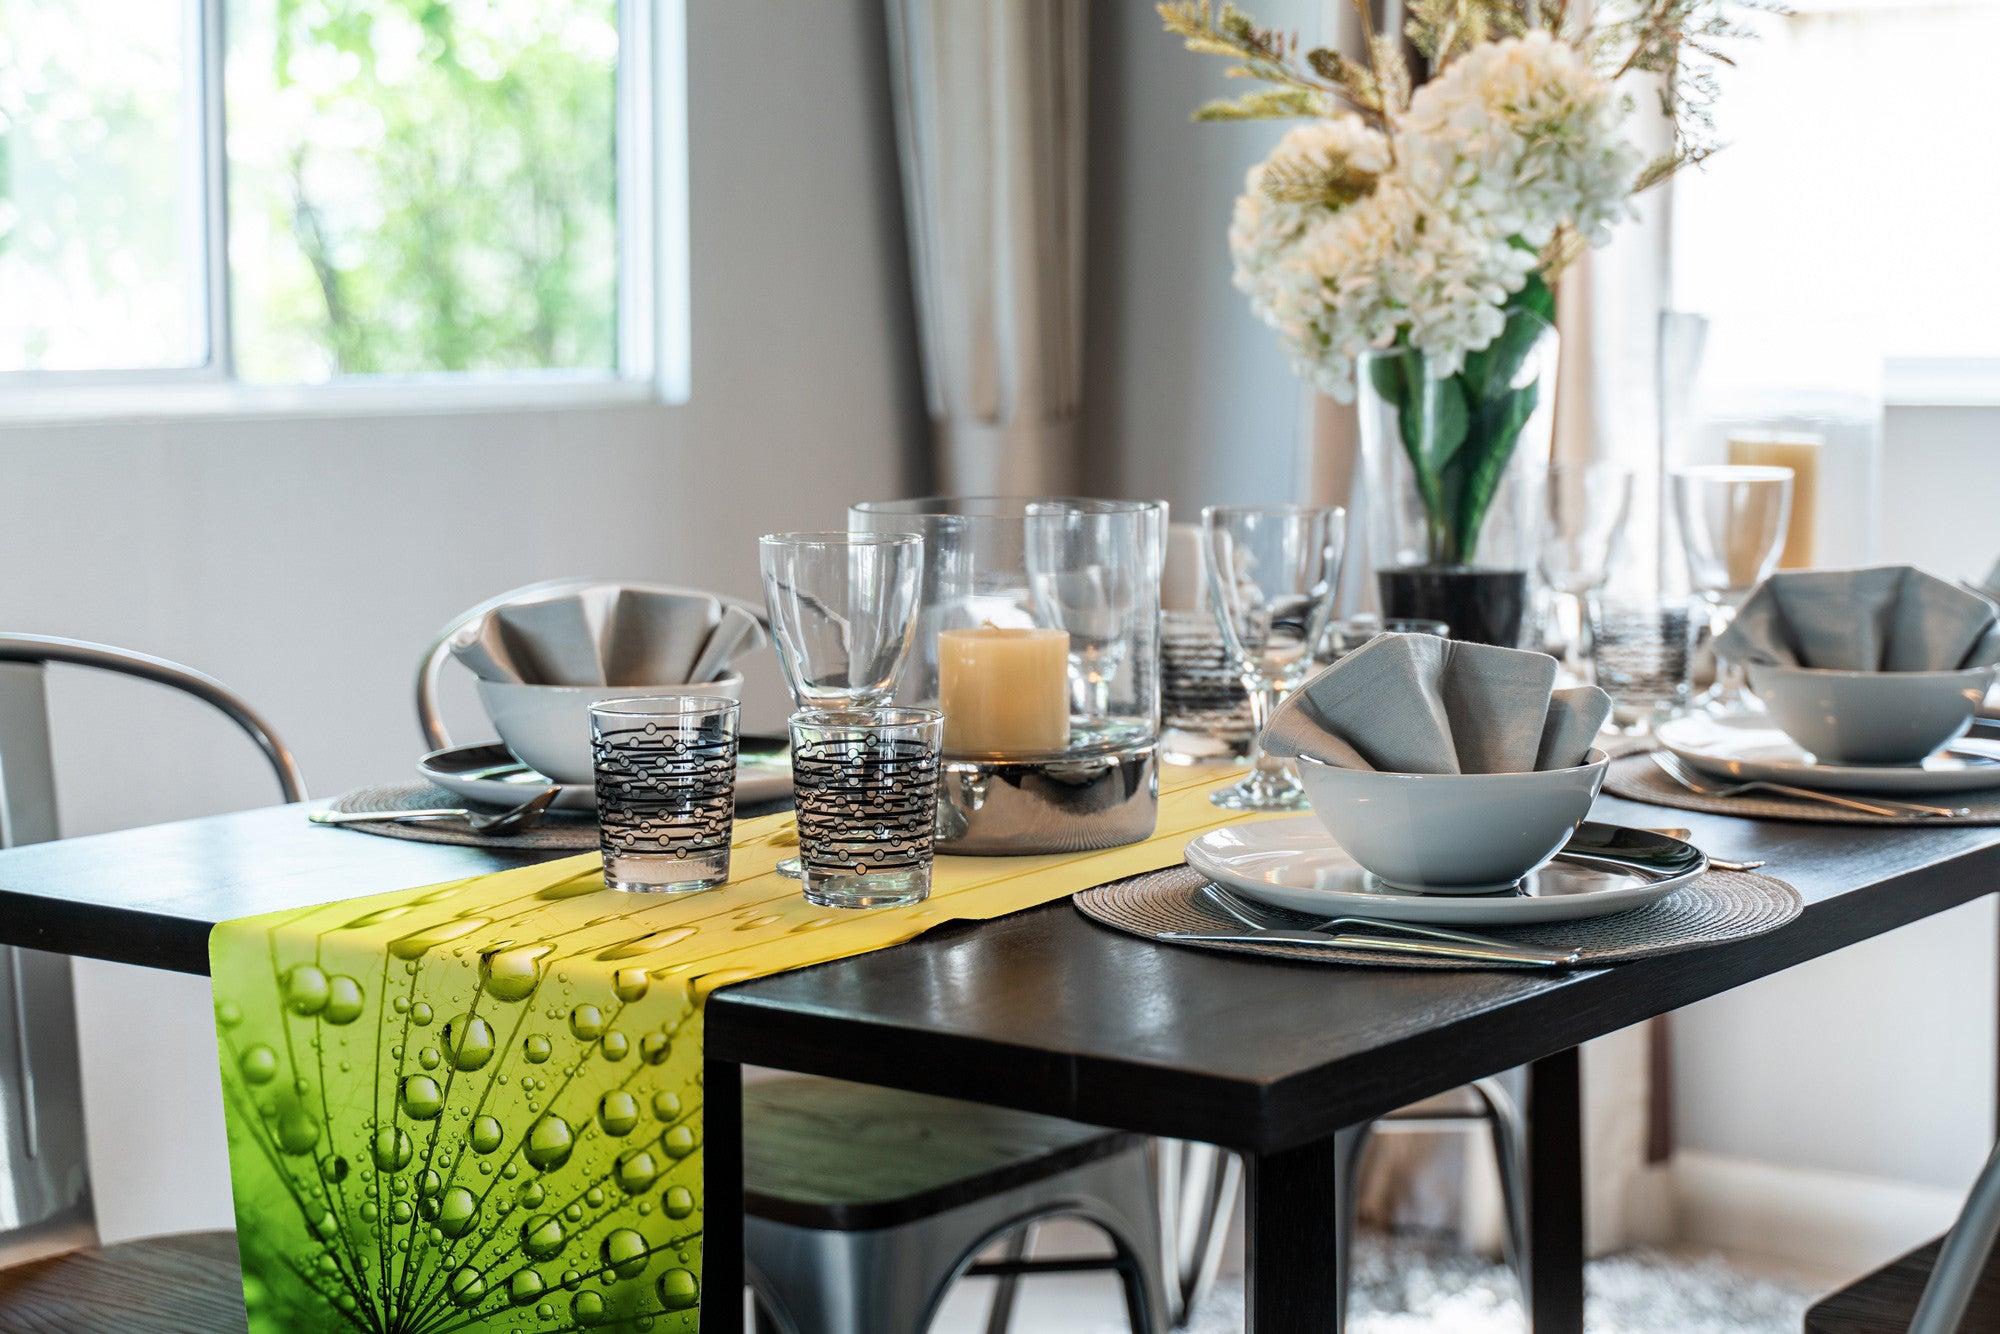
[[1038, 635], [1455, 469]]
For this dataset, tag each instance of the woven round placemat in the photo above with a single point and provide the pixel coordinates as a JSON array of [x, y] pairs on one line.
[[562, 830], [1637, 778], [1719, 906]]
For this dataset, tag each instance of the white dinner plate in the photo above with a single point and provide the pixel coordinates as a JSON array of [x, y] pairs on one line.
[[1294, 864], [1750, 750], [489, 775]]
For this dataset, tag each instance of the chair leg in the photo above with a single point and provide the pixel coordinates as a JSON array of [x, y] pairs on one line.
[[1507, 1123], [1223, 1185], [1000, 1316], [1349, 1145]]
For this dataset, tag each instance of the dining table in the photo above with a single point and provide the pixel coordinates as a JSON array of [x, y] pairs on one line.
[[1046, 1011]]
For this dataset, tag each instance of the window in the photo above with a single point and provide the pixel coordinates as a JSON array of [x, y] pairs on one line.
[[340, 192], [1848, 203]]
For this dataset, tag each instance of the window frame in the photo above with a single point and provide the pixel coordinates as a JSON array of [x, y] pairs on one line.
[[653, 334]]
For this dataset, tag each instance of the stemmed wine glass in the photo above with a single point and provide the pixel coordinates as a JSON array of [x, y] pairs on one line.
[[1583, 519], [1733, 523], [1085, 578], [1272, 574], [843, 616]]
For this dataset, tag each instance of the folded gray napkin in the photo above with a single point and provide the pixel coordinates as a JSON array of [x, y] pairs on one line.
[[609, 634], [1418, 704], [1893, 618], [1990, 585]]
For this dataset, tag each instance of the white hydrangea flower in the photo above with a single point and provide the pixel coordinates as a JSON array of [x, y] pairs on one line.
[[1518, 136], [1262, 229], [1389, 263]]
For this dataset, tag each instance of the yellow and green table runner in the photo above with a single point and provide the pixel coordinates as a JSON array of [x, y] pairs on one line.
[[477, 1105]]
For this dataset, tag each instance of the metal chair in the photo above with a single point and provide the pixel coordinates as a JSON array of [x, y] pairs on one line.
[[1199, 1183], [1946, 1287], [43, 1176], [865, 1205]]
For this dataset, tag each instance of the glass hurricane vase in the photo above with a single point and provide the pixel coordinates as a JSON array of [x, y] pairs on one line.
[[1455, 468]]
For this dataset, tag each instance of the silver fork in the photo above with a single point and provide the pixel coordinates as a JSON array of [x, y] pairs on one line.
[[1672, 766], [1263, 919]]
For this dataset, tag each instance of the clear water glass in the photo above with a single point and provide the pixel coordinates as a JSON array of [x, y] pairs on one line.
[[1273, 571], [1086, 579], [1645, 648], [864, 782], [843, 612], [666, 790], [1584, 509], [1343, 637], [1733, 521]]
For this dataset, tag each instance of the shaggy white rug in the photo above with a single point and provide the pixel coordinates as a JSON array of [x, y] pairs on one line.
[[1406, 1286]]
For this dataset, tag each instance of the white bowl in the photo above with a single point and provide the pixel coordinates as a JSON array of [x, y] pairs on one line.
[[1870, 717], [1452, 833], [548, 727]]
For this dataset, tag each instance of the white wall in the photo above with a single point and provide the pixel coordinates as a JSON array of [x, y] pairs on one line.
[[1877, 1061], [1188, 398], [308, 562]]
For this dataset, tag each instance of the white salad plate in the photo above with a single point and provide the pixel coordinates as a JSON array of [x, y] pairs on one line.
[[489, 775], [1293, 864], [1749, 750]]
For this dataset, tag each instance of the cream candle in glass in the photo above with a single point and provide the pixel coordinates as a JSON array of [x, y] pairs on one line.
[[1004, 691]]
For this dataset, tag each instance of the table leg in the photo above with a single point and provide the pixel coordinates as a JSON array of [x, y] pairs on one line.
[[722, 1197], [1293, 1281], [1553, 1282]]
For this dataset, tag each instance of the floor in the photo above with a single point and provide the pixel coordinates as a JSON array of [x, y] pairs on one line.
[[1415, 1286]]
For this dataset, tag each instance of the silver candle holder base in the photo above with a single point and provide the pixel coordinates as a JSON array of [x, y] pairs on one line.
[[1103, 796]]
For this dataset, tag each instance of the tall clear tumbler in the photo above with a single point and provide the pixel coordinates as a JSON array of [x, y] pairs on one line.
[[843, 615], [1273, 571]]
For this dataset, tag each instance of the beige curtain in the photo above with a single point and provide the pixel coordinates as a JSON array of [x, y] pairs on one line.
[[991, 100]]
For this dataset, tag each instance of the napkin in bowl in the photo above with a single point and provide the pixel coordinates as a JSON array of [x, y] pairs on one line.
[[1418, 704], [1892, 618], [608, 634]]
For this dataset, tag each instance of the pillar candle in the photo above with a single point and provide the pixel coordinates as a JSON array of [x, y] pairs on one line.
[[1004, 691], [1800, 452]]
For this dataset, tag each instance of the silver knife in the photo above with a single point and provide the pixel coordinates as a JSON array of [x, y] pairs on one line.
[[1515, 956]]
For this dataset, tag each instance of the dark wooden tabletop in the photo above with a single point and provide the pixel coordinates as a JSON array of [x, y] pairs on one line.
[[1044, 1010]]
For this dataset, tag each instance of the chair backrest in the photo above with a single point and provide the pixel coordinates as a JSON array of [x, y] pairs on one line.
[[43, 1163], [431, 666], [27, 791]]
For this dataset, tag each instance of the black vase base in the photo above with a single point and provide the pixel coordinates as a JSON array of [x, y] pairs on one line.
[[1480, 606]]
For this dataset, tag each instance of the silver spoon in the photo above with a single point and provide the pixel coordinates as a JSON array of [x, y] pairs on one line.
[[520, 818], [1674, 769]]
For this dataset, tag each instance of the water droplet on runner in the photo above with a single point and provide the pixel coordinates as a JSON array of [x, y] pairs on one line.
[[430, 1183], [542, 1236], [679, 1290], [334, 1169], [401, 1211], [536, 1048], [379, 916], [298, 1129], [469, 1039], [587, 1308], [658, 940], [655, 1048], [629, 984], [421, 1014], [259, 1065], [549, 1143], [421, 1097], [457, 1208], [428, 1058], [512, 974], [343, 999], [615, 1046], [391, 1150], [625, 1252], [586, 1022], [667, 1106], [325, 1226], [530, 1195], [678, 1202], [637, 1169], [525, 1286], [678, 1142], [618, 1112], [228, 1014], [468, 1285], [485, 1134], [305, 990]]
